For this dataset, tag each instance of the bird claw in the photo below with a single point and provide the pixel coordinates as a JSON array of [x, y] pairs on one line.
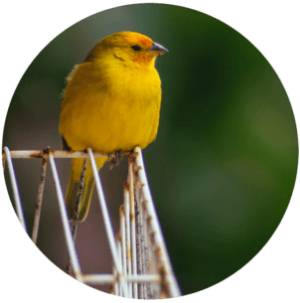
[[115, 159], [132, 156]]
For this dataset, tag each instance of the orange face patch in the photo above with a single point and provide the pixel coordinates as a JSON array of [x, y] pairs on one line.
[[145, 42], [139, 39], [143, 57]]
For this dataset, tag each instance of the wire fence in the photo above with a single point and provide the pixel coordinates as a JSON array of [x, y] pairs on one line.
[[141, 265]]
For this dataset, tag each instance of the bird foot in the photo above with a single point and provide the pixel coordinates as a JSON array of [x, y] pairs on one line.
[[115, 159], [132, 156]]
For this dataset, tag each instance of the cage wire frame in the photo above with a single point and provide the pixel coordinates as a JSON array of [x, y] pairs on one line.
[[141, 264]]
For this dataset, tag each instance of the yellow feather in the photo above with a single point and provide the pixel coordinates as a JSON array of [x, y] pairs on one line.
[[111, 102]]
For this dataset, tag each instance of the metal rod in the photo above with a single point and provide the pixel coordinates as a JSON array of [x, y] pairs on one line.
[[119, 246], [149, 261], [132, 224], [114, 282], [14, 186], [106, 220], [141, 264], [110, 278], [128, 237], [152, 258], [66, 227], [123, 243], [39, 202], [169, 275], [142, 261], [35, 154]]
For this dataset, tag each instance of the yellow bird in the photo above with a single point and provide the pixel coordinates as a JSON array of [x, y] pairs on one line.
[[111, 103]]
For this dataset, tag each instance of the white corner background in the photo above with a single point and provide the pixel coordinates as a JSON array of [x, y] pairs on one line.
[[27, 27]]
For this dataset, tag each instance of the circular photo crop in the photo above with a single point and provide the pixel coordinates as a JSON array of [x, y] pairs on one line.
[[150, 151]]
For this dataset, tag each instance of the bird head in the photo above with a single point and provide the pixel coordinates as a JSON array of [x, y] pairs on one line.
[[128, 47]]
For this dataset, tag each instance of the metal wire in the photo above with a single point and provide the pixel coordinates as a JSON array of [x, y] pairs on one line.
[[107, 221], [141, 265], [14, 185], [132, 225], [167, 271], [39, 202], [63, 213]]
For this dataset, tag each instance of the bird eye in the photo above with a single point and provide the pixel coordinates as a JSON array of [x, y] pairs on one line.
[[136, 47]]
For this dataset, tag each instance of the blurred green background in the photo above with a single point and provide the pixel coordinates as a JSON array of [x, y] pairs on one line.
[[223, 166]]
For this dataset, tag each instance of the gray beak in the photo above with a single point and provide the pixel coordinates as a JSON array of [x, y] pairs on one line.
[[159, 48]]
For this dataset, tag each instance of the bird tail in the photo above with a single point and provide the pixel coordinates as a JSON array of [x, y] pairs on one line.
[[81, 187]]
